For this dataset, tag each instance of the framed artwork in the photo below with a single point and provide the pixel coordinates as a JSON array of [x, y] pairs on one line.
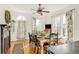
[[7, 17]]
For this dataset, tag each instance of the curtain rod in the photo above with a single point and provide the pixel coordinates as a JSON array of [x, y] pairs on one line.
[[72, 9]]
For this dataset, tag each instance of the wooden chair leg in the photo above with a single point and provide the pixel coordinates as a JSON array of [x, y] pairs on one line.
[[38, 50], [34, 49]]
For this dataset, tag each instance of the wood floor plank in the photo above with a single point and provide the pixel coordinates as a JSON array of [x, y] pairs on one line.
[[27, 47]]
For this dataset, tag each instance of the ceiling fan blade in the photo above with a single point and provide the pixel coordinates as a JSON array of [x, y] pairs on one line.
[[46, 11]]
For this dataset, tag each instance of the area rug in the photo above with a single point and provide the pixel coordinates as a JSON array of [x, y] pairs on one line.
[[18, 49]]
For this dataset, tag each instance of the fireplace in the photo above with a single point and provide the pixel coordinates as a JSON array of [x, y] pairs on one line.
[[4, 39]]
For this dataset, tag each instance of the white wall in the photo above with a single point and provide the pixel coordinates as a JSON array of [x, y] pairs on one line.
[[76, 23]]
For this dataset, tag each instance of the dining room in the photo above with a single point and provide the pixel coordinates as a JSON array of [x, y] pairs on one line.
[[39, 28]]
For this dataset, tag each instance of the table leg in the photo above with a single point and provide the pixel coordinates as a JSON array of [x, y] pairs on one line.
[[42, 49]]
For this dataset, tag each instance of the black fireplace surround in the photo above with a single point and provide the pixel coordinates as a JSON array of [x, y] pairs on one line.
[[4, 39]]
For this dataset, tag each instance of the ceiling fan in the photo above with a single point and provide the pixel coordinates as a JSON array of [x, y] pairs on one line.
[[40, 10]]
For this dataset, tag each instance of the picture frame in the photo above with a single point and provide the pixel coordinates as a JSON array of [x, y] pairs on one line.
[[7, 16]]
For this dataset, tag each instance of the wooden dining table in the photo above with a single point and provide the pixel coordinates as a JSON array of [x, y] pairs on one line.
[[43, 40], [69, 48]]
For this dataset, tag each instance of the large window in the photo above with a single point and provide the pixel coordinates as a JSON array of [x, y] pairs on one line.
[[59, 24]]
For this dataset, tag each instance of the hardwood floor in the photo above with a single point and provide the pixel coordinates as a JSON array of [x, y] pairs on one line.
[[28, 48]]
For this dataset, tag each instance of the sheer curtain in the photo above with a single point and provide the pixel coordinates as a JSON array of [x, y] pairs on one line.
[[21, 30]]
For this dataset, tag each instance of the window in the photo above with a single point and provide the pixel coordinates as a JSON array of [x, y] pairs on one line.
[[21, 18], [37, 22], [60, 25]]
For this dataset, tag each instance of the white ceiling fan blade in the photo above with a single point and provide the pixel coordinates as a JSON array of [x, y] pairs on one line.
[[46, 11]]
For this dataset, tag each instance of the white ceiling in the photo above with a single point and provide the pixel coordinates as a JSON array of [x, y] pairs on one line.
[[28, 7]]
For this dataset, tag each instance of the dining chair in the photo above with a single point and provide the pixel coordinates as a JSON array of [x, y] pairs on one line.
[[37, 44], [30, 38], [54, 38]]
